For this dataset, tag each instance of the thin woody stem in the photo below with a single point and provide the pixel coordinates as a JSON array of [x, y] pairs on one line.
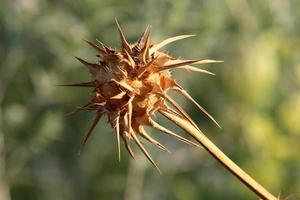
[[220, 156]]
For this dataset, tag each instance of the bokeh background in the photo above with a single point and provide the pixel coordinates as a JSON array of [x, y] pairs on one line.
[[255, 97]]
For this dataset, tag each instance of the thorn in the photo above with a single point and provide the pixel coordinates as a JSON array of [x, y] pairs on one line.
[[93, 68], [130, 59], [102, 51], [141, 131], [173, 119], [186, 95], [142, 148], [106, 48], [170, 110], [179, 122], [208, 61], [114, 120], [129, 116], [118, 135], [145, 49], [180, 110], [192, 68], [83, 84], [167, 131], [96, 120], [176, 65], [168, 41], [142, 37], [124, 42], [127, 146]]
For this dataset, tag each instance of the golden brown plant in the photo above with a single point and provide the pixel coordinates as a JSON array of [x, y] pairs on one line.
[[132, 84]]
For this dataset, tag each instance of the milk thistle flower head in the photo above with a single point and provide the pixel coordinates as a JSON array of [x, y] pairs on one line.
[[132, 84]]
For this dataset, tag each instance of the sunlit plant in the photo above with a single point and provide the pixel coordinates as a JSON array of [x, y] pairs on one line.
[[132, 84]]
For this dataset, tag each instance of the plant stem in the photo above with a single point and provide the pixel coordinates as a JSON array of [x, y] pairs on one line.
[[4, 188], [220, 156]]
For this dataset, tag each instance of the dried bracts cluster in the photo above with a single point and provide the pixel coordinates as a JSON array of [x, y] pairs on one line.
[[132, 84]]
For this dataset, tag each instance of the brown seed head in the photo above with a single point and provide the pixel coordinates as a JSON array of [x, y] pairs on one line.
[[131, 85]]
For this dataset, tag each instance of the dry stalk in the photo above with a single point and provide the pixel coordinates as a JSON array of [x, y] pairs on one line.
[[220, 156]]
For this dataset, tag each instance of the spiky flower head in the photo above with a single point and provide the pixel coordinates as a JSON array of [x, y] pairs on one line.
[[132, 84]]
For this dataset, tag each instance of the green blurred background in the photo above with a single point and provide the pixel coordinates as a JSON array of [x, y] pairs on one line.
[[255, 97]]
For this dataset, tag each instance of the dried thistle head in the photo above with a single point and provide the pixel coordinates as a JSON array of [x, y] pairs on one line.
[[132, 84]]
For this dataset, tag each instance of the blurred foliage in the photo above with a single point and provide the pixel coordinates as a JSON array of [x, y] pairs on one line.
[[255, 97]]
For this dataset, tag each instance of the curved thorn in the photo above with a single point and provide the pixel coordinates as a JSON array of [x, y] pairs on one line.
[[118, 136], [104, 47], [180, 110], [145, 49], [205, 61], [192, 68], [116, 126], [168, 41], [208, 61], [125, 44], [170, 110], [102, 51], [167, 131], [145, 152], [127, 146], [93, 68], [83, 84], [142, 132], [129, 116], [186, 95], [130, 59], [96, 120], [142, 37], [176, 65], [147, 39]]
